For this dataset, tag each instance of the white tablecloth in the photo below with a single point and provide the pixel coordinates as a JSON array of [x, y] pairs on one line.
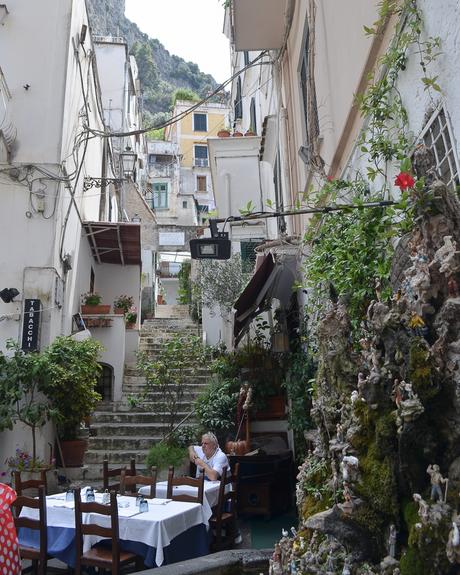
[[210, 498], [156, 528]]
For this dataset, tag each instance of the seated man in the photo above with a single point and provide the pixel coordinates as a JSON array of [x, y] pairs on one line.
[[209, 457]]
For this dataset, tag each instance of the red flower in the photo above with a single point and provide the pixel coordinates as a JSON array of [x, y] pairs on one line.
[[330, 179], [404, 180]]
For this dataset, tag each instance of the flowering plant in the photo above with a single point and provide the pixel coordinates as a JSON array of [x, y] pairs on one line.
[[23, 461], [404, 181], [91, 298], [124, 302], [131, 315]]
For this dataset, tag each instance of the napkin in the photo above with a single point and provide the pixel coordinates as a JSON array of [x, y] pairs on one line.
[[158, 501]]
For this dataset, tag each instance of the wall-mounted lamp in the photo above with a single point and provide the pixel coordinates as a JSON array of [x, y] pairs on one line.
[[136, 219], [8, 294], [128, 161]]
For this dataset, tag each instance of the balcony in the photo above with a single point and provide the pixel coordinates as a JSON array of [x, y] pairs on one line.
[[259, 24], [159, 170], [201, 162]]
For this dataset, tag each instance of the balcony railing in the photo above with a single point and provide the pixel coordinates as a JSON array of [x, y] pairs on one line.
[[201, 162], [160, 170]]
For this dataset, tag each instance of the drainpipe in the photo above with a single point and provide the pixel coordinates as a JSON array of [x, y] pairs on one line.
[[284, 155]]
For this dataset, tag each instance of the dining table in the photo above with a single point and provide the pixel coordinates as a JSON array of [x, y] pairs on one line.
[[169, 531], [210, 495]]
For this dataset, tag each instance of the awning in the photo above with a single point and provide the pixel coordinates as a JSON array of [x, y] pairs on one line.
[[114, 242], [272, 279]]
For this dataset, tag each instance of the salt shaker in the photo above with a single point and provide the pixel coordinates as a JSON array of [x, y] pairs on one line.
[[143, 505], [90, 497], [139, 499], [69, 495], [106, 497]]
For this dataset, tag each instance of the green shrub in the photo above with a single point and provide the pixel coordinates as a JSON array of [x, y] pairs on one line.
[[216, 407], [162, 455]]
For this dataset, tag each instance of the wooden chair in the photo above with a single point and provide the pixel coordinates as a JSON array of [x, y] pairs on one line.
[[38, 556], [115, 472], [191, 481], [132, 481], [20, 485], [223, 521], [110, 558]]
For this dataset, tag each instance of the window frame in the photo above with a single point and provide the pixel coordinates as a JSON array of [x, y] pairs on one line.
[[160, 194], [201, 114], [444, 127], [200, 163], [197, 187]]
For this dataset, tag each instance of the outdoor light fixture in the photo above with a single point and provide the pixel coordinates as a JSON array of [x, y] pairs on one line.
[[136, 219], [8, 294], [217, 247], [128, 160]]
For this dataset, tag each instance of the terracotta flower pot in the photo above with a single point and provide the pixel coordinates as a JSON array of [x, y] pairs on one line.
[[118, 311], [131, 325], [250, 133], [237, 134], [223, 133], [95, 309]]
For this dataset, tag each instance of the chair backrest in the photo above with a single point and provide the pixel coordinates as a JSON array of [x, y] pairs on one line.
[[182, 481], [36, 524], [20, 485], [93, 528], [115, 472], [132, 481], [227, 491]]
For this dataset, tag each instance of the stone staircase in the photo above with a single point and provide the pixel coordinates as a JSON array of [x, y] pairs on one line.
[[119, 431]]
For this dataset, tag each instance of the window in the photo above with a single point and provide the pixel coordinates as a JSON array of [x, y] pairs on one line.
[[200, 123], [252, 115], [201, 184], [160, 195], [246, 57], [248, 254], [308, 96], [238, 104], [201, 156], [202, 208], [184, 204], [437, 137]]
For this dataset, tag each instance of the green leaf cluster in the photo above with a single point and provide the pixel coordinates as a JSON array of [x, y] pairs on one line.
[[57, 383], [167, 374]]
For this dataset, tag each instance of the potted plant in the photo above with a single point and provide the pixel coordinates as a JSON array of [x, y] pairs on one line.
[[224, 133], [91, 304], [21, 376], [122, 304], [70, 385], [131, 317]]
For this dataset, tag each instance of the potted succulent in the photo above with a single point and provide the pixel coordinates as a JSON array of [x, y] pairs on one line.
[[131, 317], [91, 304], [122, 304]]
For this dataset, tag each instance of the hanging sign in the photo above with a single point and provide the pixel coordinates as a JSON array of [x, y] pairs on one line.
[[31, 324]]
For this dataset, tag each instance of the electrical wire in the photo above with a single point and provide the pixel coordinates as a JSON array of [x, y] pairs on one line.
[[183, 114]]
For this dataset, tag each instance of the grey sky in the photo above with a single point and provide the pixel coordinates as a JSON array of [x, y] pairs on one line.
[[191, 29]]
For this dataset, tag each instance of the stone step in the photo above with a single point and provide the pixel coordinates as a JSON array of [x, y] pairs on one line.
[[146, 429], [123, 443], [97, 456], [130, 417]]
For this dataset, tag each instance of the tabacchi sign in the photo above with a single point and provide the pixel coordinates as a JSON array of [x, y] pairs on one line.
[[31, 324]]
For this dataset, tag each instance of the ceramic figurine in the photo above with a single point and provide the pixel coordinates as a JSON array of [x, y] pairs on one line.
[[362, 380], [452, 288], [330, 563], [423, 508], [346, 567], [339, 433], [436, 480], [396, 394], [392, 541]]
